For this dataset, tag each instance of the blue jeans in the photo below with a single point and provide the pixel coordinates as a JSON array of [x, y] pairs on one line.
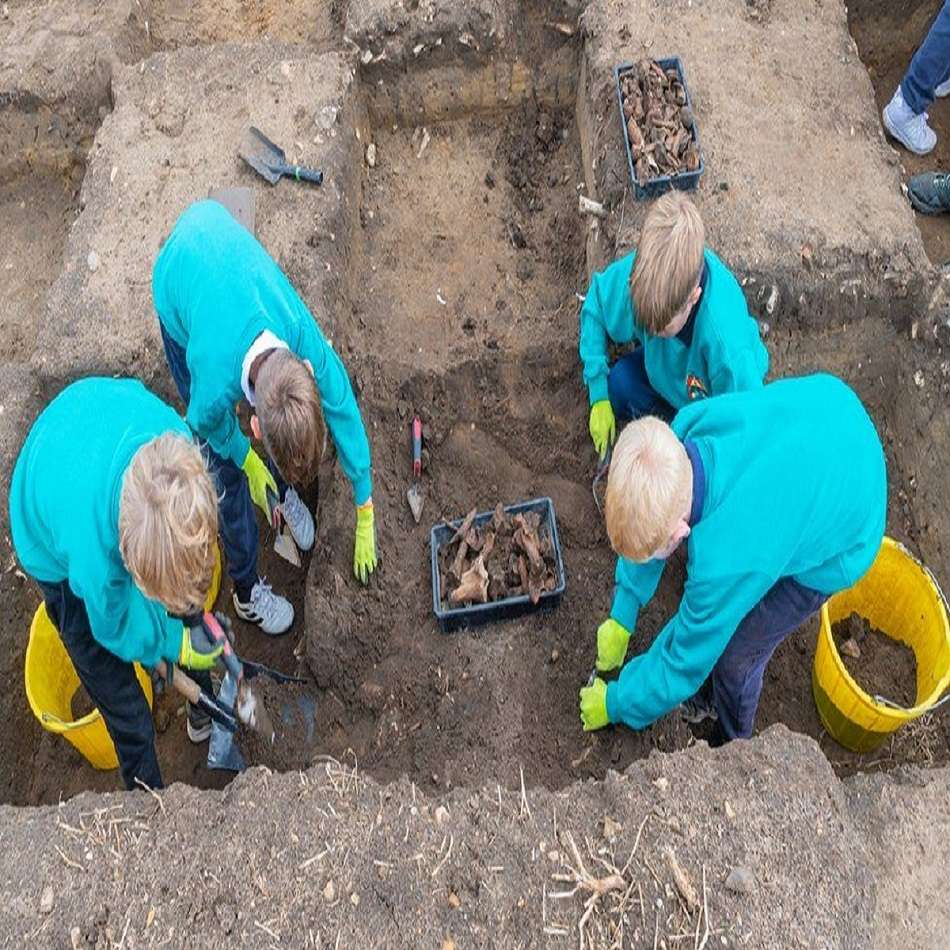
[[112, 685], [736, 680], [930, 65], [238, 523], [630, 392]]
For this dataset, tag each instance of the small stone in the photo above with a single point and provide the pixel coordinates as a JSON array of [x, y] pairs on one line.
[[326, 117], [772, 302], [554, 655], [612, 828], [489, 180], [729, 810], [741, 880], [75, 938], [441, 815], [807, 256], [355, 899], [371, 155], [285, 69], [329, 892], [382, 872], [92, 261], [454, 902], [554, 857], [764, 328], [46, 900], [919, 379], [366, 57], [850, 648], [662, 783]]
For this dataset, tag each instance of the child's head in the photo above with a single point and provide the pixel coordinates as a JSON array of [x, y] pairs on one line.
[[168, 523], [289, 415], [649, 491], [668, 266]]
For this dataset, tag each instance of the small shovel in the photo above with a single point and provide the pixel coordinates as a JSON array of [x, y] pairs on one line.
[[284, 543], [270, 161], [414, 496]]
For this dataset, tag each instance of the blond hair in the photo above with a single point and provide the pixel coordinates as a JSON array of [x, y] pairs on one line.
[[669, 261], [168, 522], [288, 408], [649, 487]]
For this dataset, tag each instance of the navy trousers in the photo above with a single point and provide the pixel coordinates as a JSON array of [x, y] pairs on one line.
[[111, 684], [238, 523], [736, 680], [629, 390], [930, 65]]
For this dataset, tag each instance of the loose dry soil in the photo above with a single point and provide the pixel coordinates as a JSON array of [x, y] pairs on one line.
[[447, 272]]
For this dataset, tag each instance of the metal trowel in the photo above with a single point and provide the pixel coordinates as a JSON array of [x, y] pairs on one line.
[[284, 543], [269, 160], [414, 496]]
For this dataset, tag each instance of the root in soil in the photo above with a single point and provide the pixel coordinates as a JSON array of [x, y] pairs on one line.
[[659, 122], [880, 665], [509, 556]]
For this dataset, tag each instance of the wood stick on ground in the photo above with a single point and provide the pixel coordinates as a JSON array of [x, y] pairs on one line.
[[682, 881]]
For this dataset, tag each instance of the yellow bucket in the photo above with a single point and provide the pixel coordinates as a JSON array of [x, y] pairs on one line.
[[901, 598], [51, 682]]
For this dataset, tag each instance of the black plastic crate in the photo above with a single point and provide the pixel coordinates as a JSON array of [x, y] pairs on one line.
[[684, 181], [453, 618]]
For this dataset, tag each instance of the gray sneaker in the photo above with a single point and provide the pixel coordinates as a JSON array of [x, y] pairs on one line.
[[198, 724], [929, 192], [271, 612], [298, 519], [697, 710]]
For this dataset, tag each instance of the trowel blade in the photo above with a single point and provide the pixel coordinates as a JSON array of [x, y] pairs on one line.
[[285, 546], [223, 754], [416, 501], [261, 154]]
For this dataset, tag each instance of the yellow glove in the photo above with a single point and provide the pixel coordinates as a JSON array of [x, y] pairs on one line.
[[594, 706], [259, 479], [603, 427], [194, 658], [612, 640], [364, 549]]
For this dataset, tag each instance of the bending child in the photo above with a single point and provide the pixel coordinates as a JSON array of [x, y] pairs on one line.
[[235, 329], [781, 495], [687, 313], [113, 513]]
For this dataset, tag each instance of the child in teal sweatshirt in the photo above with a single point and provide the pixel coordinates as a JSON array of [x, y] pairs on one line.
[[686, 311], [782, 495], [113, 513], [235, 329]]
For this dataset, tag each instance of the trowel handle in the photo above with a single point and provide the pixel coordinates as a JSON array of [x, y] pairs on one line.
[[305, 174], [416, 447], [196, 696]]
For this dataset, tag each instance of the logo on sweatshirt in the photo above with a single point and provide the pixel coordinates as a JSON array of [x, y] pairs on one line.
[[695, 387]]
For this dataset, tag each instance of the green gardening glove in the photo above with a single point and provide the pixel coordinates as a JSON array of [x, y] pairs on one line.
[[612, 640], [364, 550], [594, 706], [603, 427], [259, 479], [201, 656]]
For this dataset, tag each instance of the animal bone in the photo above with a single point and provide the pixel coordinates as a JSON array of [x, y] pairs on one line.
[[473, 585]]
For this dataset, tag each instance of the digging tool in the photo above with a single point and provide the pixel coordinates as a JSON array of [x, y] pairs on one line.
[[270, 161], [240, 202], [284, 543], [215, 708], [602, 470], [414, 496]]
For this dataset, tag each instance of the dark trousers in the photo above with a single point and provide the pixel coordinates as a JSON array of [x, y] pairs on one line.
[[631, 395], [736, 680], [930, 65], [111, 685], [238, 523]]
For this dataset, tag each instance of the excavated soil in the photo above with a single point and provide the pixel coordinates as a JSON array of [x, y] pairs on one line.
[[880, 665]]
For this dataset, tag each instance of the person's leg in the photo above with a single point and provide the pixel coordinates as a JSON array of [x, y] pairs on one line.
[[737, 676], [630, 392], [930, 65], [111, 684]]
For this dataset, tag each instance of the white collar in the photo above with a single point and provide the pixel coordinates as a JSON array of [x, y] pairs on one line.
[[265, 340]]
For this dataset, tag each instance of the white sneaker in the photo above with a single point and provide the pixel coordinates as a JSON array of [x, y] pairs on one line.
[[271, 612], [912, 131], [943, 90], [298, 519]]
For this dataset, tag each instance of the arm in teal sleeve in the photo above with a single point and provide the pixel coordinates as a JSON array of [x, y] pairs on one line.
[[607, 314], [740, 371], [126, 623], [635, 585], [685, 651], [340, 410], [214, 421]]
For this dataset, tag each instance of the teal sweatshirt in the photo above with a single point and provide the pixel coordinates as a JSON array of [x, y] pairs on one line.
[[64, 509], [795, 486], [216, 290], [724, 355]]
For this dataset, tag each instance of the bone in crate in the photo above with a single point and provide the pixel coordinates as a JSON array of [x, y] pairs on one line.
[[659, 121], [509, 556]]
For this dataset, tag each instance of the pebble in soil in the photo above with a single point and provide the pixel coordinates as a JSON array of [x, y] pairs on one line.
[[880, 665]]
